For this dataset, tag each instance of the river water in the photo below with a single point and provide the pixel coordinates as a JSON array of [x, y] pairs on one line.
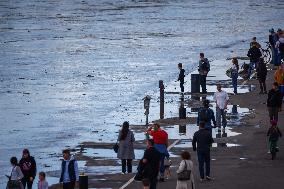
[[69, 68]]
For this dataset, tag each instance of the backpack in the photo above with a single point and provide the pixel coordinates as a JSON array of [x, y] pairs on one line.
[[203, 115], [281, 47]]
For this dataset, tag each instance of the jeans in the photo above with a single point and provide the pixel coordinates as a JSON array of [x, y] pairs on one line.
[[162, 148], [274, 56], [235, 81], [129, 165], [273, 113], [221, 115], [27, 182], [202, 80], [280, 57], [204, 157], [69, 185], [251, 67], [181, 86]]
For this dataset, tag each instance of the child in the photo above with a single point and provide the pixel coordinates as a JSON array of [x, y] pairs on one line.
[[42, 183], [273, 134]]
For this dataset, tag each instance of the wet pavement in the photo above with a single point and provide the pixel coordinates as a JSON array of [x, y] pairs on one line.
[[71, 71]]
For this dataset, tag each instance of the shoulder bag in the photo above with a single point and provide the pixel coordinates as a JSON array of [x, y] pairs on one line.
[[185, 174]]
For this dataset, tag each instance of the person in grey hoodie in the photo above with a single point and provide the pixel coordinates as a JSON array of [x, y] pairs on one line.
[[69, 171]]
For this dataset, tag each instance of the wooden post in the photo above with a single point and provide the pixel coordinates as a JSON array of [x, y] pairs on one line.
[[162, 99]]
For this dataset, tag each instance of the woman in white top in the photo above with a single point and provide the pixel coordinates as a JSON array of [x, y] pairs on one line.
[[186, 163], [15, 176]]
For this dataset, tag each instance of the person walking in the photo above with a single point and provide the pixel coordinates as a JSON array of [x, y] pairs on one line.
[[42, 183], [273, 38], [204, 140], [15, 176], [28, 168], [261, 75], [254, 54], [206, 115], [69, 170], [160, 138], [204, 68], [235, 74], [280, 47], [126, 148], [150, 165], [279, 78], [185, 164], [274, 102], [221, 97], [273, 135], [181, 77]]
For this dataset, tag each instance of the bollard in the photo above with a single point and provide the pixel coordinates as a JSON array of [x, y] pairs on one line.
[[182, 129], [83, 181], [182, 113], [195, 84], [162, 99]]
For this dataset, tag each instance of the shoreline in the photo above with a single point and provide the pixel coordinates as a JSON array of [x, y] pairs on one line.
[[100, 181]]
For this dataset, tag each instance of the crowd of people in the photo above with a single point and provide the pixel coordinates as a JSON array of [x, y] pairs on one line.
[[152, 166]]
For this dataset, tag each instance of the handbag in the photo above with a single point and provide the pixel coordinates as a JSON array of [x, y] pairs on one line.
[[115, 147], [14, 184], [11, 184], [185, 174]]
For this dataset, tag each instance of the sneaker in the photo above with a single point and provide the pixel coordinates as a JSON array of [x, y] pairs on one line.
[[209, 178], [161, 180], [269, 152], [202, 180]]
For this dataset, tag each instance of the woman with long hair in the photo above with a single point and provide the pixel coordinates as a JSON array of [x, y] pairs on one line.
[[126, 149], [235, 74]]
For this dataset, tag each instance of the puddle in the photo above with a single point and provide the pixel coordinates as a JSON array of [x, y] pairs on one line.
[[103, 170], [188, 144], [108, 153]]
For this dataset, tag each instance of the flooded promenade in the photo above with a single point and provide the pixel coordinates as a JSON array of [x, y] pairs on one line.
[[72, 71]]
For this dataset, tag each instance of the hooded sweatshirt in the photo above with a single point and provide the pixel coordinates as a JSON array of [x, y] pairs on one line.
[[28, 167], [281, 40]]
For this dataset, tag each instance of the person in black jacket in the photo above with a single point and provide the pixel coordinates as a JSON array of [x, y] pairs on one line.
[[204, 140], [274, 102], [150, 164], [261, 75], [28, 168], [254, 54], [181, 77]]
